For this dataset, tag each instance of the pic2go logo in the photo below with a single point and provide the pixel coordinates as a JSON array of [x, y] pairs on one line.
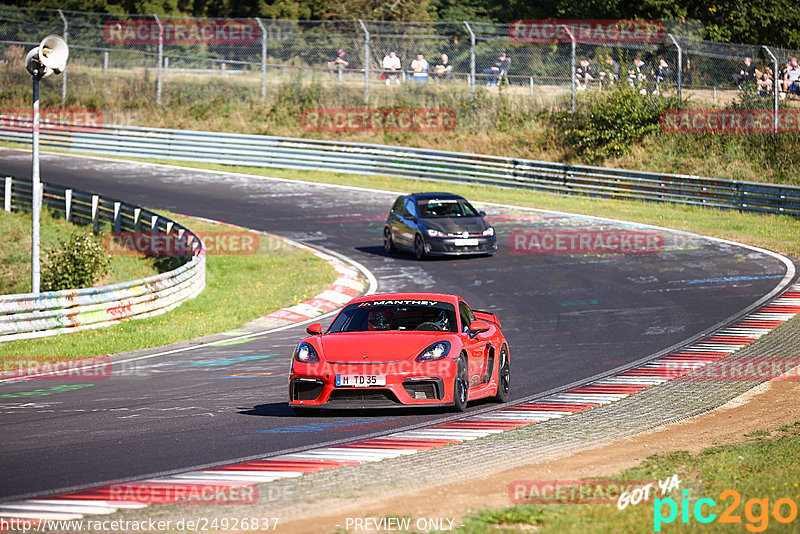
[[756, 511]]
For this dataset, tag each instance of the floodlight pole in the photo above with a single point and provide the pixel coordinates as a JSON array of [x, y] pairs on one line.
[[36, 199], [471, 60], [776, 88]]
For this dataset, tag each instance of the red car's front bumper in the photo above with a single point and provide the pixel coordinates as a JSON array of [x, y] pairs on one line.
[[407, 384]]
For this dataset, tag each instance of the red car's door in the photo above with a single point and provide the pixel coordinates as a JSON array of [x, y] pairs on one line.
[[477, 347]]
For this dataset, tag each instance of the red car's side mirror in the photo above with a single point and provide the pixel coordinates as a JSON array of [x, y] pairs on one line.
[[314, 329], [477, 327]]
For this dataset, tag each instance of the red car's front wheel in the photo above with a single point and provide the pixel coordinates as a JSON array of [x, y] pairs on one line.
[[461, 385]]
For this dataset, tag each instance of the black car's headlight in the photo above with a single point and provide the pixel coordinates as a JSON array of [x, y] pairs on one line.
[[435, 233], [305, 353], [437, 351], [489, 231]]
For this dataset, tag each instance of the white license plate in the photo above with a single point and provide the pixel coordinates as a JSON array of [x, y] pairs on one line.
[[465, 242], [360, 381]]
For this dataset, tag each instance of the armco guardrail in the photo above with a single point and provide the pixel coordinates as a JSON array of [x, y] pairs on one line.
[[31, 316], [407, 162]]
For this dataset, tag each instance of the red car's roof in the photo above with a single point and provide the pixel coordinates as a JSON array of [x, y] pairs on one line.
[[443, 297]]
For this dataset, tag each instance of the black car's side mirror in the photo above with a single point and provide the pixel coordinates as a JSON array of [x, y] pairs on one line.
[[412, 218], [482, 213]]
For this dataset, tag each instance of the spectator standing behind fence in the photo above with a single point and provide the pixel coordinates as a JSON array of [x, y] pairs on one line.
[[746, 74], [661, 75], [583, 75], [764, 82], [391, 68], [443, 70], [498, 69], [637, 75], [610, 73], [791, 78], [419, 69], [339, 63]]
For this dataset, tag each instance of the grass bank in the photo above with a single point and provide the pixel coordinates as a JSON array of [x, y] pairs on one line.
[[15, 253], [761, 470], [239, 288]]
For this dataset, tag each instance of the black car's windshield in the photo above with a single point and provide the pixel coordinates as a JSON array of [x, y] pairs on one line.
[[440, 208], [400, 315]]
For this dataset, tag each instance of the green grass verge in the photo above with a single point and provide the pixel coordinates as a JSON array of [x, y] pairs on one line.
[[15, 254], [765, 466], [239, 288]]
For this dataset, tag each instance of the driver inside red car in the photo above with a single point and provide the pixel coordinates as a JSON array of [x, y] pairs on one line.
[[379, 320]]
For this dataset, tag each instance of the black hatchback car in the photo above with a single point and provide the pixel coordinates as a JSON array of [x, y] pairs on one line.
[[437, 224]]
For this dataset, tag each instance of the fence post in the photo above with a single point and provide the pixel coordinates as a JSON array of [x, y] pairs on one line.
[[95, 213], [7, 198], [263, 60], [166, 67], [64, 73], [471, 60], [366, 60], [67, 204], [160, 58], [680, 68], [776, 89], [105, 62], [117, 220], [571, 64]]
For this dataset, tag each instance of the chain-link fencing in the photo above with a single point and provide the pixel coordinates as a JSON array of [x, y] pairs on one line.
[[206, 63]]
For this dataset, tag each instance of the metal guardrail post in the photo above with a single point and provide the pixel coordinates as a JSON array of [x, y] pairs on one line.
[[776, 89], [64, 72], [471, 60], [680, 68], [571, 65], [160, 58], [263, 60], [366, 60]]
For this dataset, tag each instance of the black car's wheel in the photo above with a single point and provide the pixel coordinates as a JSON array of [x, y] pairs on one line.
[[461, 385], [388, 244], [503, 377], [419, 248]]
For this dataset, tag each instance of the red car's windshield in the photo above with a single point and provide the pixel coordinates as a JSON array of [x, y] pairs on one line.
[[402, 315]]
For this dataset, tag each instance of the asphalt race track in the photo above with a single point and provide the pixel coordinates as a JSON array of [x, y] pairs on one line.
[[567, 317]]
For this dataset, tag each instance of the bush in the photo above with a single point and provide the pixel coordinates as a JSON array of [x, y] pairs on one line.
[[76, 263], [606, 124]]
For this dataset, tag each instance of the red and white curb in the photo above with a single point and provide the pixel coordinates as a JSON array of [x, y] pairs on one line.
[[714, 347], [348, 285]]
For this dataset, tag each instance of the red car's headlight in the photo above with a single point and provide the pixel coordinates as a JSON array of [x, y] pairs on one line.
[[437, 351], [305, 353]]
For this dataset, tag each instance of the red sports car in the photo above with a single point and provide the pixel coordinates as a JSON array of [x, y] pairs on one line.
[[401, 349]]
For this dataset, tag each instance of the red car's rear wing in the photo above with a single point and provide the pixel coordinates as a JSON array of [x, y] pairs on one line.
[[486, 316]]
